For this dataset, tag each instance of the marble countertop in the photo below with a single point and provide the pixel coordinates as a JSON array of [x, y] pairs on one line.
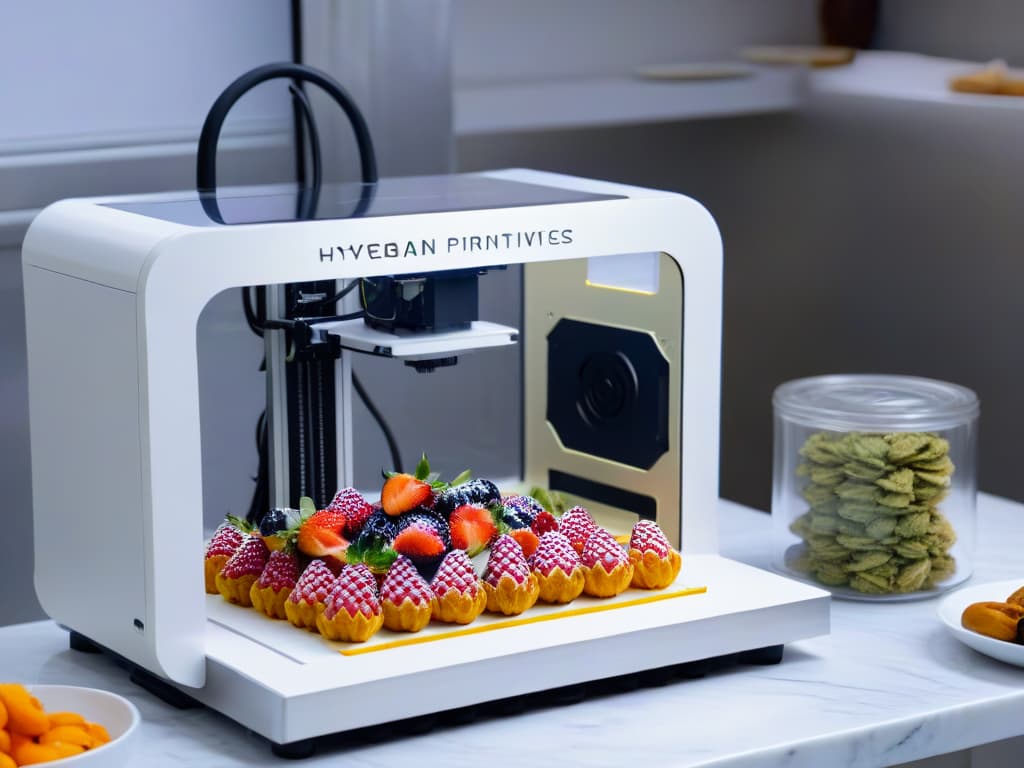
[[889, 685]]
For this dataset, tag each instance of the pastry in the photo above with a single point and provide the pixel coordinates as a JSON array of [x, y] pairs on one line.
[[269, 593], [242, 569], [607, 568], [558, 569], [307, 599], [508, 583], [458, 597], [226, 539], [352, 612], [405, 598], [655, 563]]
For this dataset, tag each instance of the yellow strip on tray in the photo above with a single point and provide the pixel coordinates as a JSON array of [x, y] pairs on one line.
[[519, 621]]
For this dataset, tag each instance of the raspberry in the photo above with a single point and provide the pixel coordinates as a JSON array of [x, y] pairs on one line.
[[648, 537], [554, 551], [249, 559], [281, 571], [354, 507], [456, 572], [601, 549], [506, 559], [577, 525], [314, 585], [355, 591], [404, 582]]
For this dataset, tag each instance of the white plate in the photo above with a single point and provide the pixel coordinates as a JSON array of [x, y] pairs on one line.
[[953, 606], [115, 713]]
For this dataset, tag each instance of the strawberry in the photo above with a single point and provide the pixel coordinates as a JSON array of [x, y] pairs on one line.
[[402, 493], [543, 523], [420, 543], [354, 507], [526, 539], [577, 525], [405, 598], [243, 568], [554, 551], [320, 536], [307, 597], [520, 511], [602, 550], [506, 559], [648, 537], [226, 539], [472, 528]]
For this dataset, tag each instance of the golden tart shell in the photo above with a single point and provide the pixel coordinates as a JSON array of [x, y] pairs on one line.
[[510, 597], [601, 583], [653, 572]]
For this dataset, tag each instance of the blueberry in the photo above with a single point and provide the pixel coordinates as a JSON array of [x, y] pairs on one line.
[[275, 520]]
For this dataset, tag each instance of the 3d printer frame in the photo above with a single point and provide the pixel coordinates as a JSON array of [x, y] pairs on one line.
[[113, 299]]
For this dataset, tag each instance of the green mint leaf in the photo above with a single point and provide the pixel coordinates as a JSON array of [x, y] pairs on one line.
[[422, 468], [462, 477]]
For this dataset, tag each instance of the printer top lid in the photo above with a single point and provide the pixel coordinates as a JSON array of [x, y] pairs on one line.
[[388, 197]]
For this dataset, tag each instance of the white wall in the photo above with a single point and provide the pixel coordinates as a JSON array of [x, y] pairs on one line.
[[108, 97], [93, 73], [976, 30], [496, 40]]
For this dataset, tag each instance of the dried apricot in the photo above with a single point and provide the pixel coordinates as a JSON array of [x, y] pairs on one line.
[[5, 741], [6, 761], [65, 718], [998, 620], [68, 734], [26, 752], [24, 712]]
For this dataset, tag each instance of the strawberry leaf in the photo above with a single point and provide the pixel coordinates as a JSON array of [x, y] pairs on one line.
[[498, 516], [462, 477], [422, 468], [241, 524]]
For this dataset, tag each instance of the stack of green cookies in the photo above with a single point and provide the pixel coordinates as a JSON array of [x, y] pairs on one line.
[[873, 524]]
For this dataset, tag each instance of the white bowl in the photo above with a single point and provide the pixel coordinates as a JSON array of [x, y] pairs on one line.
[[115, 713]]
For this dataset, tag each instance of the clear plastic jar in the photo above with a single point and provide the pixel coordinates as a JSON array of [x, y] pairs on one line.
[[875, 484]]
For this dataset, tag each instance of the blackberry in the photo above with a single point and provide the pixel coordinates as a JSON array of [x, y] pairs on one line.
[[429, 519], [520, 511], [474, 492], [378, 531]]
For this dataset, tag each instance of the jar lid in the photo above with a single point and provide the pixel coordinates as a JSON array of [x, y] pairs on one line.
[[875, 403]]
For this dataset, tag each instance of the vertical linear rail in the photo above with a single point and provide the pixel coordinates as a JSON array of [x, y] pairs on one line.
[[277, 401]]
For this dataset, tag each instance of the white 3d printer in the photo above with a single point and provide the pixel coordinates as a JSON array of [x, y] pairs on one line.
[[623, 288]]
